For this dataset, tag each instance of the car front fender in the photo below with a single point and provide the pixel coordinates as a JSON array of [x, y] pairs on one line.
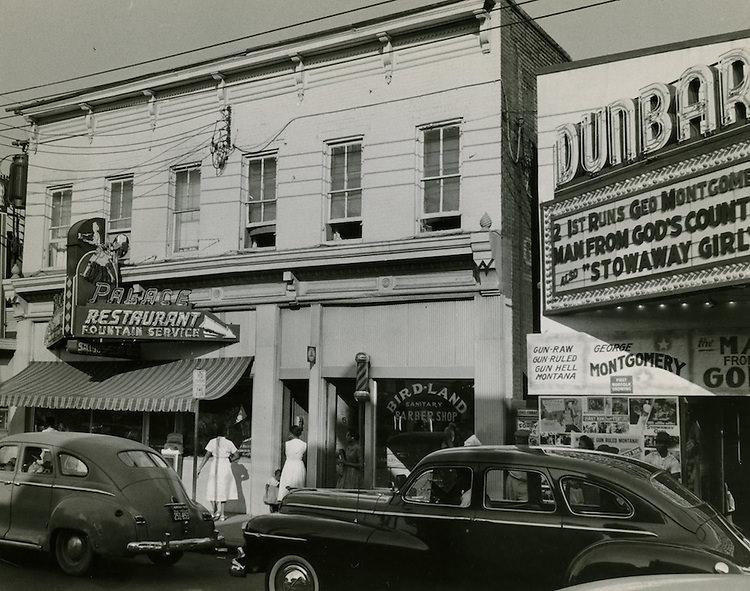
[[105, 521], [622, 558], [328, 540]]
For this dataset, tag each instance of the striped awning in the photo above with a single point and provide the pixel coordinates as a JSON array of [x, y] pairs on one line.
[[161, 386]]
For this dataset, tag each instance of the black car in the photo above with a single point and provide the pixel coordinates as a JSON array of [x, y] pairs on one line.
[[495, 517]]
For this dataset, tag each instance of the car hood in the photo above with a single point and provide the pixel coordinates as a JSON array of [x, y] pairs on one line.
[[668, 583], [331, 499]]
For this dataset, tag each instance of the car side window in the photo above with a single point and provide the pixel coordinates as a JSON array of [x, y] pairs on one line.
[[37, 460], [8, 458], [516, 489], [587, 498], [72, 466], [442, 486]]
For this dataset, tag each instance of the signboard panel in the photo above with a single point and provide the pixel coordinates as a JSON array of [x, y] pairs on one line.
[[675, 229], [695, 362]]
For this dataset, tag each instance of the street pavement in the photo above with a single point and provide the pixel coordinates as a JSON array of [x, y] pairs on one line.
[[24, 570]]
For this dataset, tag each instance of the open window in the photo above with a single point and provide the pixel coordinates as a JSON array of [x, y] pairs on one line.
[[344, 199]]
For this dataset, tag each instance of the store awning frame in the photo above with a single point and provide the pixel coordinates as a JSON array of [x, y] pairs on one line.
[[155, 386]]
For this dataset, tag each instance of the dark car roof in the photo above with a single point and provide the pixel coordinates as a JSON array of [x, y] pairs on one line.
[[605, 465], [84, 443]]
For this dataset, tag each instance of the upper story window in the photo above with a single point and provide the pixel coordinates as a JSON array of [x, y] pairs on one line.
[[441, 178], [120, 197], [187, 208], [60, 200], [345, 191], [260, 226]]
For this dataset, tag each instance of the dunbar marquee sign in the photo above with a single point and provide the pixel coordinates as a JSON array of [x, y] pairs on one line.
[[97, 316], [674, 228]]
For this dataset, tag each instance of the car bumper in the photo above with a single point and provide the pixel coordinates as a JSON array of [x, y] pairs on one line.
[[181, 545]]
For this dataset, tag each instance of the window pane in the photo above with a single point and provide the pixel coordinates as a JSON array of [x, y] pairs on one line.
[[354, 165], [586, 497], [269, 179], [432, 196], [432, 152], [127, 200], [354, 205], [338, 168], [255, 213], [115, 200], [255, 179], [269, 212], [187, 190], [450, 194], [524, 490], [338, 206], [450, 150], [72, 466], [8, 458], [187, 226], [181, 190]]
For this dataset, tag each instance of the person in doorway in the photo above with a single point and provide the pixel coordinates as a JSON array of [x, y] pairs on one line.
[[662, 457], [271, 495], [729, 504], [293, 473], [221, 486], [449, 436], [352, 462], [49, 424]]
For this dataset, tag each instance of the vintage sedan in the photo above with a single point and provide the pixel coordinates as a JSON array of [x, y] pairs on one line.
[[494, 517], [80, 495]]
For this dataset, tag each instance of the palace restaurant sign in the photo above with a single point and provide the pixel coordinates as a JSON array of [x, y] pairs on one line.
[[679, 225]]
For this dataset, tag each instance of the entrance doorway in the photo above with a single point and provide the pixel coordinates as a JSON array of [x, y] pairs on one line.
[[717, 447], [343, 414]]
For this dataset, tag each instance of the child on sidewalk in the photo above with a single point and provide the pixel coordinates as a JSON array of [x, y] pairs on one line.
[[271, 496]]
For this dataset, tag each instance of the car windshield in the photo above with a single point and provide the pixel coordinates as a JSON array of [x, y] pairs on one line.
[[142, 459], [668, 487]]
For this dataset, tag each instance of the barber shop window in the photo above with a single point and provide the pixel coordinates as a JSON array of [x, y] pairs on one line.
[[442, 486], [526, 490], [587, 498]]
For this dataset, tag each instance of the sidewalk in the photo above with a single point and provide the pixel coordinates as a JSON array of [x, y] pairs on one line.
[[231, 529]]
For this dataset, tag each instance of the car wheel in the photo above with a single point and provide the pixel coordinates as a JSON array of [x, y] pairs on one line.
[[292, 572], [73, 552], [162, 559]]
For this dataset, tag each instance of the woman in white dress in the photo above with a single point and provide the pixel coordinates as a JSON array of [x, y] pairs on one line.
[[221, 485], [293, 473]]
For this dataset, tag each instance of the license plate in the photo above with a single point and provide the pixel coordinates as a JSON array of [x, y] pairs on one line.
[[180, 514]]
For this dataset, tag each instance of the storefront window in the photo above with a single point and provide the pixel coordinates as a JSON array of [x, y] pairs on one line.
[[416, 417]]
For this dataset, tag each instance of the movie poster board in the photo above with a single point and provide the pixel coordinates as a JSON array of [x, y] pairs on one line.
[[625, 425]]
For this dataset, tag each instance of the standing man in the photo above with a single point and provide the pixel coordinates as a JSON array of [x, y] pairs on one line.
[[662, 457]]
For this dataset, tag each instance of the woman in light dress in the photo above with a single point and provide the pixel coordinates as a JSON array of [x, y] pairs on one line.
[[221, 485], [293, 472]]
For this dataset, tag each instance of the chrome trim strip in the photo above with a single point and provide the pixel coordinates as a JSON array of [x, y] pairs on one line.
[[525, 523], [29, 483], [387, 513], [276, 537], [609, 530], [84, 489]]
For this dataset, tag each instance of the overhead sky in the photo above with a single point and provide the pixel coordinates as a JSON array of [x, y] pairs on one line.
[[43, 42]]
